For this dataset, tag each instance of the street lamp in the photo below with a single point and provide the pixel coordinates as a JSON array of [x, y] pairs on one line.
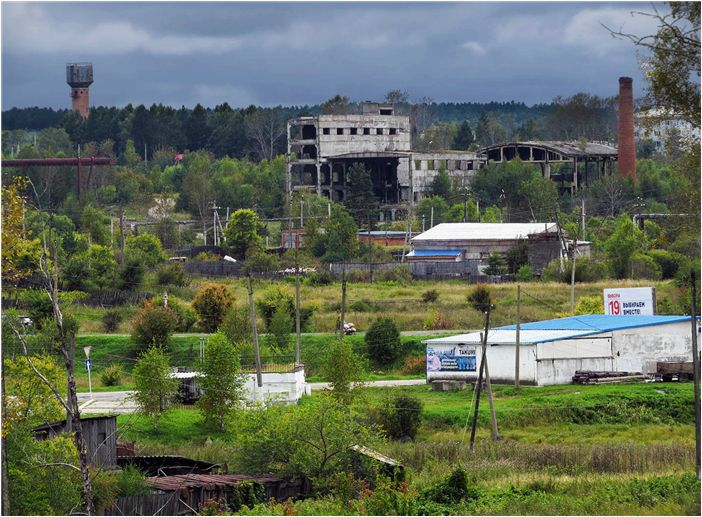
[[86, 349]]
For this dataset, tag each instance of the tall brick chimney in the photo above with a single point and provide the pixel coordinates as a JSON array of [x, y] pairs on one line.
[[627, 147]]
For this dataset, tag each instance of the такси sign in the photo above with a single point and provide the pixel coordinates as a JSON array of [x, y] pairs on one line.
[[450, 358]]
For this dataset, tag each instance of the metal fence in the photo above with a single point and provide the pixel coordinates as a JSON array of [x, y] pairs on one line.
[[338, 268]]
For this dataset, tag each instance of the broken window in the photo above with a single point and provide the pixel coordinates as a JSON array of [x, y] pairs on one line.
[[339, 130], [442, 164], [325, 131], [366, 131], [379, 131], [386, 111], [430, 164], [393, 131], [354, 131], [418, 165]]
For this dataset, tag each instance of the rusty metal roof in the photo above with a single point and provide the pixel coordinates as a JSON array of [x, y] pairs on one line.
[[571, 149], [208, 481]]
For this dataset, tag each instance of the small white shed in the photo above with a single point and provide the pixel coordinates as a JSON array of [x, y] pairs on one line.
[[552, 350]]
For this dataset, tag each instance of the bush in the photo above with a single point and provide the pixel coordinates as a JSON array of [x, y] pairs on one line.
[[153, 326], [343, 369], [320, 279], [146, 247], [668, 262], [452, 490], [399, 274], [587, 269], [643, 266], [212, 302], [186, 317], [589, 305], [362, 305], [236, 326], [280, 297], [111, 320], [112, 375], [430, 296], [401, 417], [279, 329], [172, 274], [437, 321], [525, 274], [414, 364], [132, 274], [132, 482], [383, 342], [479, 298]]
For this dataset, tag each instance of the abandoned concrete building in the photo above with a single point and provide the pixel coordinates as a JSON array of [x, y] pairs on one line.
[[321, 150]]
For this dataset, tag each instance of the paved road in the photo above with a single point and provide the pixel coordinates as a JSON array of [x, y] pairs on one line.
[[120, 402]]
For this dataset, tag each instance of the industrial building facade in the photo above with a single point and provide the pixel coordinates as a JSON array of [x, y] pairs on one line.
[[322, 149], [552, 351]]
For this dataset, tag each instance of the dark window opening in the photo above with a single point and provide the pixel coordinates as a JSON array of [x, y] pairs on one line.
[[386, 111], [379, 131], [325, 131], [393, 131], [339, 130], [309, 132], [354, 131], [366, 131]]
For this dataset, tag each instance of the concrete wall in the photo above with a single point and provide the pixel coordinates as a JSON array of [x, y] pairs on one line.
[[335, 144], [278, 388], [461, 167]]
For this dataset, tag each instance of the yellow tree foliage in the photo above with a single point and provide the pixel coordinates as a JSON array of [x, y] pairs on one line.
[[19, 255]]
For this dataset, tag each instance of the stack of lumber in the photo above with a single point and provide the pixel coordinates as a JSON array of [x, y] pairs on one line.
[[593, 377]]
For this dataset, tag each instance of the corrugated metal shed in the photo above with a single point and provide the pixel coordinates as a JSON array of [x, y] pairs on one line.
[[508, 337], [434, 253], [599, 322], [484, 231]]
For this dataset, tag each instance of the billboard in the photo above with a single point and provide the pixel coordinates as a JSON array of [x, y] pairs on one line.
[[450, 358], [632, 301]]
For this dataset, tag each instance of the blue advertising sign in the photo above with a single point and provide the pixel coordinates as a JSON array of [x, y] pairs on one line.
[[451, 358]]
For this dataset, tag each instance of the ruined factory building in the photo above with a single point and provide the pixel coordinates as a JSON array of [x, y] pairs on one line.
[[551, 351], [322, 149]]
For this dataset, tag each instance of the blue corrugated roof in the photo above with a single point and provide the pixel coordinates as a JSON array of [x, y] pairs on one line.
[[434, 253], [599, 322]]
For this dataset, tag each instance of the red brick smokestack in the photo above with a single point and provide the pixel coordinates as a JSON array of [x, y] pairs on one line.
[[627, 147], [81, 101]]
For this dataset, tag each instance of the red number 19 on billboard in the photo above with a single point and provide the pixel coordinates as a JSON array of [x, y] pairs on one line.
[[614, 307]]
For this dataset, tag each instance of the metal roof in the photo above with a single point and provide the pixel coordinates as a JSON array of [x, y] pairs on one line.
[[484, 231], [369, 154], [599, 322], [508, 337], [209, 481], [557, 329], [434, 253], [571, 149]]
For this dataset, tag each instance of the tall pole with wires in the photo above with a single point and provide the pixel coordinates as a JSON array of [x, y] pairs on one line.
[[480, 378], [696, 369]]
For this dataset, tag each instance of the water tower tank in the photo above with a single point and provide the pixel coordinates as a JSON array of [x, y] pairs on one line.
[[79, 75]]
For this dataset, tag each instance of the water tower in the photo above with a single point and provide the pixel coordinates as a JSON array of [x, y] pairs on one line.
[[80, 76]]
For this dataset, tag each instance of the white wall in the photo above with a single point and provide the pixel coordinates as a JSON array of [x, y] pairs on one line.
[[278, 388]]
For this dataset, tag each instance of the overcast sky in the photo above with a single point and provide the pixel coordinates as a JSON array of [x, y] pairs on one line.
[[304, 53]]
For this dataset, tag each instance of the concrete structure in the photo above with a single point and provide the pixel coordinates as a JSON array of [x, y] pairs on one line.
[[322, 149], [475, 242], [572, 164], [658, 126], [627, 147], [552, 350], [80, 76]]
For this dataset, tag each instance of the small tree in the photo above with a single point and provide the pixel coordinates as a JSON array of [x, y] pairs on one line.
[[236, 326], [153, 325], [383, 342], [517, 256], [402, 416], [242, 232], [147, 247], [480, 298], [155, 388], [279, 328], [441, 185], [496, 264], [343, 369], [212, 302], [221, 381]]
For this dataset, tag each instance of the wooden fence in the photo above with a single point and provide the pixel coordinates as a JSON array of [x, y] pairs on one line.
[[149, 504]]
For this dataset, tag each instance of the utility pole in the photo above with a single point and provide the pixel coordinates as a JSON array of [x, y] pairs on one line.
[[121, 235], [516, 341], [252, 309], [370, 251], [696, 367], [298, 359], [582, 219], [422, 223], [343, 301], [488, 387], [480, 378], [431, 223], [572, 276], [302, 207]]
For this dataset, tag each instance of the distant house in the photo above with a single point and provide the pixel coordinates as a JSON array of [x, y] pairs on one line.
[[383, 237], [470, 244], [99, 432]]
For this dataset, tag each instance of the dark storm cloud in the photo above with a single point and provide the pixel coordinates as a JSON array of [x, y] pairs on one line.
[[298, 53]]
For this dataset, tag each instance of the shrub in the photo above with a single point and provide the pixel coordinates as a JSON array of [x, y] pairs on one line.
[[343, 369], [186, 316], [430, 296], [320, 279], [111, 320], [401, 417], [153, 326], [172, 274], [643, 266], [414, 364], [437, 321], [281, 297], [525, 274], [203, 256], [452, 490], [132, 482], [399, 274], [112, 375], [479, 298], [279, 329], [383, 342], [587, 269], [667, 261], [132, 274], [236, 326], [589, 305], [212, 302], [147, 247], [362, 305]]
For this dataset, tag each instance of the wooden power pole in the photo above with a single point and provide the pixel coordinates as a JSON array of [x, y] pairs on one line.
[[696, 367], [343, 302], [480, 379], [252, 309], [516, 341], [488, 388]]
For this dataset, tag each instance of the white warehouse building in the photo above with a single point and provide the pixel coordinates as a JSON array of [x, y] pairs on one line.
[[551, 351]]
